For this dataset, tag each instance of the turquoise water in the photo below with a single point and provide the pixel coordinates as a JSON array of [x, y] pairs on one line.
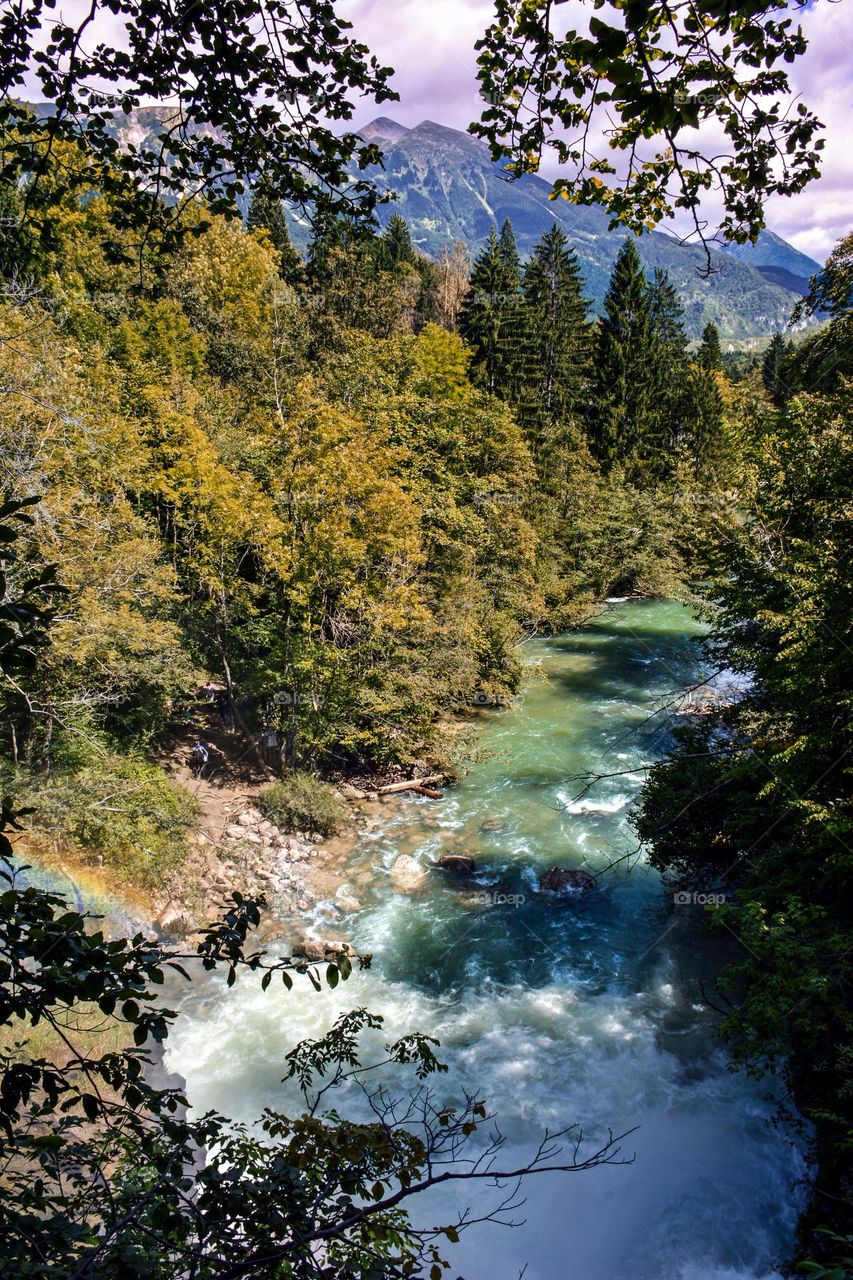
[[588, 1011]]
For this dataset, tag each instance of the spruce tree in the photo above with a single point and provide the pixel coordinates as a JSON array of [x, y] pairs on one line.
[[267, 212], [509, 254], [395, 248], [670, 409], [710, 354], [491, 316], [771, 368], [707, 443], [514, 339], [622, 419], [558, 336]]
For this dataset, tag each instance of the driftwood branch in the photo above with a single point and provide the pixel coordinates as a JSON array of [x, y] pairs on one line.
[[414, 784]]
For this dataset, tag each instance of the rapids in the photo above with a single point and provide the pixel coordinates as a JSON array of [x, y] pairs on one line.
[[589, 1012]]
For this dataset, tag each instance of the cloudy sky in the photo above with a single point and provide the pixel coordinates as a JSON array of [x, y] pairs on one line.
[[431, 47]]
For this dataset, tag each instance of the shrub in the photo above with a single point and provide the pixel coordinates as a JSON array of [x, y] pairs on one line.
[[121, 812], [302, 802]]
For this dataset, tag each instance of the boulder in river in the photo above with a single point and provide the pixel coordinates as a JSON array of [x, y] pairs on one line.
[[322, 949], [310, 949], [457, 864], [174, 922], [407, 874], [492, 824], [567, 881]]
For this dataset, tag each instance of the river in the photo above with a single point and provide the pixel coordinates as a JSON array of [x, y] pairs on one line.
[[589, 1012]]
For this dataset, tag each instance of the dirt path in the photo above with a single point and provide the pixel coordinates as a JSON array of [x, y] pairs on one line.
[[232, 778], [232, 847]]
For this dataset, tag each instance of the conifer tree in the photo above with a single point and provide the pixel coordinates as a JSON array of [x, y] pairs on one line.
[[670, 409], [395, 248], [558, 336], [508, 250], [707, 435], [427, 304], [771, 368], [266, 212], [515, 375], [622, 419], [490, 315], [710, 354]]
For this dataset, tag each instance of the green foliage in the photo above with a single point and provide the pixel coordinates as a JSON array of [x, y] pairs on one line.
[[710, 355], [395, 247], [557, 347], [831, 291], [490, 319], [266, 213], [120, 813], [301, 802], [624, 386], [772, 366], [304, 68], [641, 72], [756, 802], [101, 1167]]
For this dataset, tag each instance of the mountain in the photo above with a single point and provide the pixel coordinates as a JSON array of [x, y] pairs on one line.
[[448, 188], [777, 261]]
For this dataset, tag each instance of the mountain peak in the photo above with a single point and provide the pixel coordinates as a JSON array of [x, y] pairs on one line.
[[384, 127], [446, 185], [443, 133]]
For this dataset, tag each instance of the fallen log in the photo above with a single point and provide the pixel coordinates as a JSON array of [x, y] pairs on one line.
[[429, 792], [414, 784]]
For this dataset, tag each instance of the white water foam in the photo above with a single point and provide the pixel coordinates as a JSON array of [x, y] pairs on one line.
[[708, 1197]]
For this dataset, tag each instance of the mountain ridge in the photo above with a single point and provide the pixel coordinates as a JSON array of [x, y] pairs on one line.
[[448, 188]]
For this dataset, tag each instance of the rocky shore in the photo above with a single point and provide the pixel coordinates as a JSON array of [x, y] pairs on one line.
[[249, 855]]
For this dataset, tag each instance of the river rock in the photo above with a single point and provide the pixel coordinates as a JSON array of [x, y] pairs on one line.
[[457, 864], [233, 832], [344, 902], [407, 874], [349, 792], [174, 922], [492, 824], [310, 949], [249, 818], [266, 827], [566, 881]]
